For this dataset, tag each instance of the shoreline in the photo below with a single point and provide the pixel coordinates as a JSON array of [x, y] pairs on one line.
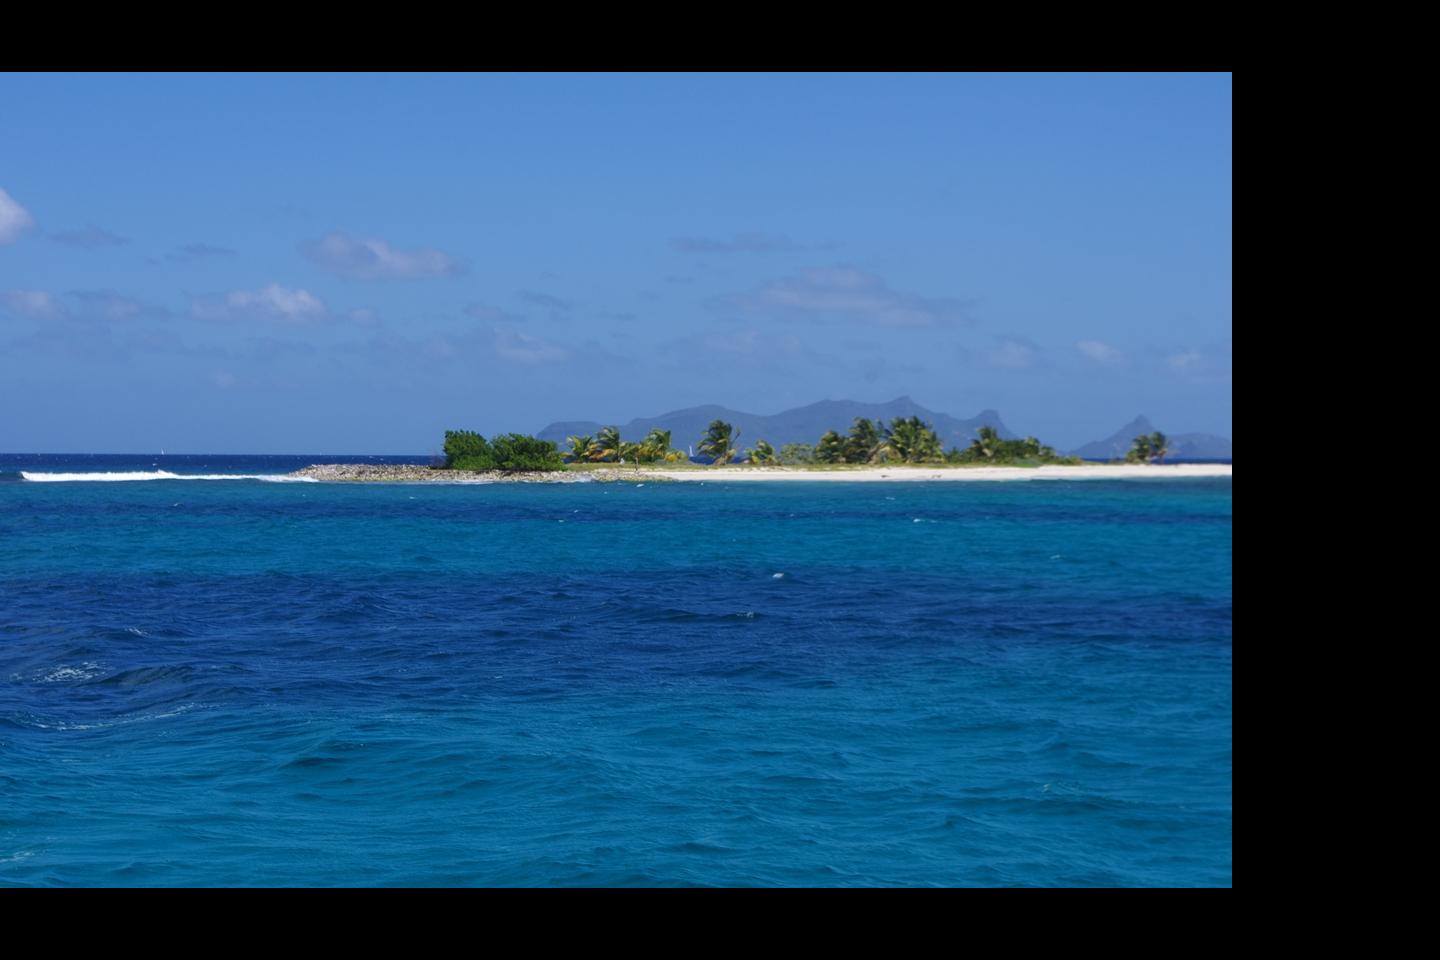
[[402, 473]]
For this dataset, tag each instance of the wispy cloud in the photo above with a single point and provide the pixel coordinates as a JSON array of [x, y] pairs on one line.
[[198, 251], [78, 306], [749, 348], [739, 243], [14, 219], [90, 238], [110, 306], [354, 258], [546, 300], [849, 293], [1013, 353], [519, 347], [1205, 363], [490, 313], [1099, 351], [1186, 360], [31, 304], [273, 303]]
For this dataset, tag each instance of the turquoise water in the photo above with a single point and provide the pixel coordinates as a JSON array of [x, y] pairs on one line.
[[247, 682]]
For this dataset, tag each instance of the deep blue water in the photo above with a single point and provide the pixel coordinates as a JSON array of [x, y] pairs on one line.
[[247, 682]]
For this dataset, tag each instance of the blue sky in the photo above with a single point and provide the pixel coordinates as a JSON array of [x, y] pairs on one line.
[[357, 263]]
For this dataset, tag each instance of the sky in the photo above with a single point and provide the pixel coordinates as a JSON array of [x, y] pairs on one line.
[[357, 263]]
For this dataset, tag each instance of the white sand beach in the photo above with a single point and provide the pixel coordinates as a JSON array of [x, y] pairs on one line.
[[622, 473], [918, 473]]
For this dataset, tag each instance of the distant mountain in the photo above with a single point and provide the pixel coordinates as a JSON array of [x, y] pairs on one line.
[[1182, 446], [801, 425]]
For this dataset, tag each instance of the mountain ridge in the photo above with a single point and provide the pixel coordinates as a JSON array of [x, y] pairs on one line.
[[1182, 446], [798, 425]]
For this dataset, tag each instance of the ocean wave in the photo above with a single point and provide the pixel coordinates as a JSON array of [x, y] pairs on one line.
[[65, 674], [157, 475], [34, 722]]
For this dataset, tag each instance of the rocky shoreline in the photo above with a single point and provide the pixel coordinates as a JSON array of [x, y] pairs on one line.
[[419, 473]]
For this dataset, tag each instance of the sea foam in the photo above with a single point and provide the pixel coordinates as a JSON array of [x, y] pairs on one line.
[[156, 475]]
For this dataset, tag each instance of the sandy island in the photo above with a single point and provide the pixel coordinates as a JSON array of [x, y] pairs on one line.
[[392, 473], [908, 473]]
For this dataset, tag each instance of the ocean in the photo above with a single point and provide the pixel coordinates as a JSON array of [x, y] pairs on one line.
[[244, 681]]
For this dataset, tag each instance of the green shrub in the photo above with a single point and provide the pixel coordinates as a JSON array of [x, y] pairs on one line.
[[508, 452], [797, 453], [516, 451], [464, 445]]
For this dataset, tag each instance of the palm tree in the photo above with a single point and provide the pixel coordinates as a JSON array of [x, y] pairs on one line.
[[1148, 449], [607, 444], [797, 453], [910, 440], [719, 441], [763, 453], [831, 448], [655, 446], [986, 446], [1158, 448], [580, 447], [864, 441]]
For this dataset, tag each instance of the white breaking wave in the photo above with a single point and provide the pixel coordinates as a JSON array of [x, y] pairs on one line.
[[85, 671], [157, 475]]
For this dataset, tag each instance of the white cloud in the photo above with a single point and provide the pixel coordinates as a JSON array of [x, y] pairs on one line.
[[32, 304], [109, 305], [14, 219], [82, 306], [276, 303], [354, 258], [1099, 351], [1185, 360], [521, 347], [749, 342], [489, 313], [854, 294], [1013, 353], [546, 300]]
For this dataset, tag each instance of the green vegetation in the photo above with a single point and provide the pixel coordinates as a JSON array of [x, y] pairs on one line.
[[797, 453], [909, 440], [656, 448], [989, 449], [508, 452], [863, 442], [831, 448], [580, 447], [719, 442], [905, 440], [1151, 449], [462, 445], [608, 445], [609, 448], [763, 454]]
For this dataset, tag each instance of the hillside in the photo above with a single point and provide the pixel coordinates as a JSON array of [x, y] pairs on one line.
[[800, 425], [1182, 446]]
